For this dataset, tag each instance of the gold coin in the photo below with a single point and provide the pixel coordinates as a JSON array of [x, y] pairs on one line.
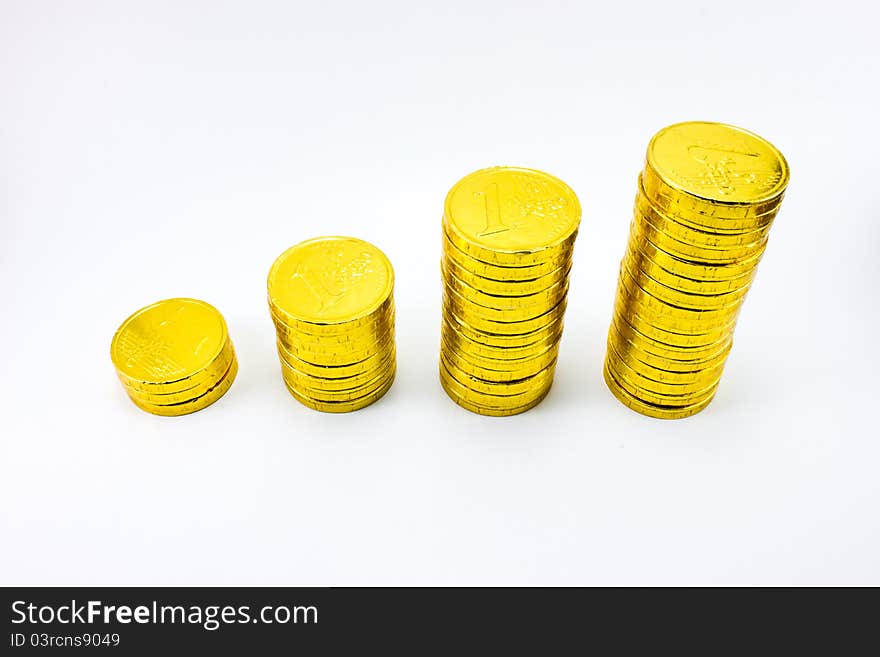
[[516, 400], [376, 324], [488, 344], [347, 395], [508, 272], [166, 397], [504, 288], [312, 366], [661, 412], [454, 336], [504, 316], [659, 372], [168, 343], [658, 380], [334, 371], [689, 268], [639, 390], [339, 384], [674, 315], [509, 364], [676, 359], [673, 296], [498, 371], [190, 406], [329, 281], [690, 252], [343, 355], [708, 216], [638, 263], [466, 286], [706, 246], [685, 283], [510, 215], [502, 341], [721, 220], [717, 164], [672, 331], [517, 386], [203, 379], [491, 412], [669, 332], [689, 228], [466, 313], [340, 407]]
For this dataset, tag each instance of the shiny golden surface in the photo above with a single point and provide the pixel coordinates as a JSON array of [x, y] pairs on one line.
[[508, 236], [168, 341], [662, 411], [705, 203], [331, 301], [511, 215], [174, 357], [718, 163], [340, 406], [330, 280], [506, 273], [184, 407]]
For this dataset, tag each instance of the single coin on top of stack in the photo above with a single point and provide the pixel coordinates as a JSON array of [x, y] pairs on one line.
[[707, 197], [331, 300], [174, 357], [508, 236]]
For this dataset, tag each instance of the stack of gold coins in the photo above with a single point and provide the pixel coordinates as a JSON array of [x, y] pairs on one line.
[[508, 236], [707, 197], [174, 357], [331, 302]]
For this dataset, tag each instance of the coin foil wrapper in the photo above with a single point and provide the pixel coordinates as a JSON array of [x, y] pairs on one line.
[[331, 300], [508, 235], [174, 357], [704, 206]]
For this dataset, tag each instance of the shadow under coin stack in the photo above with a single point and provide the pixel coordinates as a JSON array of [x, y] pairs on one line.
[[331, 302], [508, 236], [174, 357], [707, 197]]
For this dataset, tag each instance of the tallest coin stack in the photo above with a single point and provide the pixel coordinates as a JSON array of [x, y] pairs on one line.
[[707, 197], [508, 236]]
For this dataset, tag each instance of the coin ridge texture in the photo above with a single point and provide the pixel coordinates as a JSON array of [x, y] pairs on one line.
[[174, 356], [330, 280], [168, 340], [509, 210], [331, 300], [718, 162], [705, 202], [507, 239]]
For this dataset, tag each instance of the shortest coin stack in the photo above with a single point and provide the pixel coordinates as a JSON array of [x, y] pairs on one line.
[[331, 300], [174, 357]]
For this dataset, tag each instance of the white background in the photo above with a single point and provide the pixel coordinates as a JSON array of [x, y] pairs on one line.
[[159, 149]]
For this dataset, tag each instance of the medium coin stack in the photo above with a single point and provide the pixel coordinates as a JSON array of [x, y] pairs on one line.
[[707, 197], [174, 357], [508, 236], [331, 301]]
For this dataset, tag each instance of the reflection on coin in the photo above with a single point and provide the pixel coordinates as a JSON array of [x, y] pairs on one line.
[[331, 301], [508, 237], [706, 200], [511, 215], [718, 163], [174, 357]]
